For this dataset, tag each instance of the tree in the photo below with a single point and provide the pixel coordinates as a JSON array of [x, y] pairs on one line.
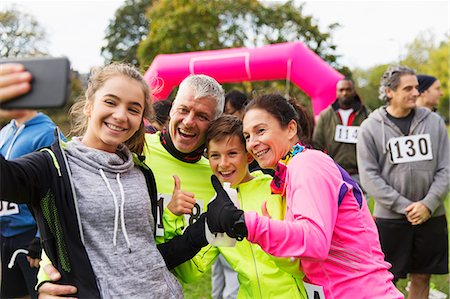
[[178, 26], [367, 83], [20, 34], [438, 65], [185, 26], [425, 56], [418, 51], [125, 31], [428, 57]]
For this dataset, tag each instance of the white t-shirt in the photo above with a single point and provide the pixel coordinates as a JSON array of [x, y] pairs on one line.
[[345, 114]]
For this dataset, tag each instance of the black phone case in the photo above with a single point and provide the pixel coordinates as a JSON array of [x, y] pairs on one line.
[[50, 86]]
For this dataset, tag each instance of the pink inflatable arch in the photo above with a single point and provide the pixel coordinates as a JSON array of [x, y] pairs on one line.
[[291, 61]]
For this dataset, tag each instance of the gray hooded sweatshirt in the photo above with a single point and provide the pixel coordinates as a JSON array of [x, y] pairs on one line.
[[395, 186], [117, 224]]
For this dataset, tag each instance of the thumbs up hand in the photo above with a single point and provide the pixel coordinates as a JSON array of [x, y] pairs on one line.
[[182, 202], [222, 215]]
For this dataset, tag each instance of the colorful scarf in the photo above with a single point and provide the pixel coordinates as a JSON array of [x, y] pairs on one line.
[[167, 143], [278, 184]]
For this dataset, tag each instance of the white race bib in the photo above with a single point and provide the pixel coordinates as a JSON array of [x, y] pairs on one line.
[[314, 291], [8, 208], [163, 201], [346, 134], [410, 148]]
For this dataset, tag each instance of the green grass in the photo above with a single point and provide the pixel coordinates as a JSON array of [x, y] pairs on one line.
[[200, 289]]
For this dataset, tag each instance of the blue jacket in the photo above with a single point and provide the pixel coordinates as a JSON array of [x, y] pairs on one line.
[[16, 142]]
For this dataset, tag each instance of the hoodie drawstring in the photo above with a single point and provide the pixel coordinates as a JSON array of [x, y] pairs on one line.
[[116, 210], [3, 141], [19, 130], [14, 256], [384, 137], [122, 213]]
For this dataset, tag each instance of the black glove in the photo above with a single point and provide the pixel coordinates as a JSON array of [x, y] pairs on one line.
[[182, 248], [34, 248], [196, 232], [223, 216]]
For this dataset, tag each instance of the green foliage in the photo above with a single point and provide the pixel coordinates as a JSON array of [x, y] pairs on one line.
[[23, 36], [20, 34], [124, 32], [178, 26], [201, 289], [367, 83], [438, 65], [186, 26], [418, 51], [425, 57]]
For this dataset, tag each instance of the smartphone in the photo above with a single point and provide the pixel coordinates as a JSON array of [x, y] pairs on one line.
[[50, 86]]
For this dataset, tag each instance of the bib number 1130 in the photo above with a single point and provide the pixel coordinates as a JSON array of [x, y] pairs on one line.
[[410, 148]]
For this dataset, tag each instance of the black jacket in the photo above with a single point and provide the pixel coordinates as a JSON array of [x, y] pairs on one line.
[[41, 179]]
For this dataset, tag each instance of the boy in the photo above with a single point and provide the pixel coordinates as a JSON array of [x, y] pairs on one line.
[[257, 271]]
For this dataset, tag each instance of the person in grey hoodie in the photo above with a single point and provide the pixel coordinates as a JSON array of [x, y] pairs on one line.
[[403, 161], [95, 201]]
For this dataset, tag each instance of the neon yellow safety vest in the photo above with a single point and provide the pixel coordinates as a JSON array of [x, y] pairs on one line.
[[260, 275], [194, 177]]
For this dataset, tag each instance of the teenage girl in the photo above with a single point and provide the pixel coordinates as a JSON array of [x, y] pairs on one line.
[[95, 201]]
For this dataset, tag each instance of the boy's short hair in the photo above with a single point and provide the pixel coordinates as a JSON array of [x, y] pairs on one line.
[[225, 126]]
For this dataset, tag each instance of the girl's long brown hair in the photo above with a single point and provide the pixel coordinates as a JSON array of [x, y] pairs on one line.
[[79, 120]]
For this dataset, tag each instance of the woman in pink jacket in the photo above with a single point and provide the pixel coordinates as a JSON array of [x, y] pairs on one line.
[[327, 225]]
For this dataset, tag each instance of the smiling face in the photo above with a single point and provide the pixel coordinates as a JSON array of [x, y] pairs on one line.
[[266, 140], [229, 160], [189, 120], [114, 114], [403, 99]]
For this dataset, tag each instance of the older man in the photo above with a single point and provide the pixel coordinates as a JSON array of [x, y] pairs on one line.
[[403, 159]]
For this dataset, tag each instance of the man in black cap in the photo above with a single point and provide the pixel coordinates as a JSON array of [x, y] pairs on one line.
[[429, 92]]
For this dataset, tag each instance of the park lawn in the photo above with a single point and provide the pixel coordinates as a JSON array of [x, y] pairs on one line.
[[201, 289]]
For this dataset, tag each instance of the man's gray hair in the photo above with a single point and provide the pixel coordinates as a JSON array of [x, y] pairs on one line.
[[391, 79], [204, 87]]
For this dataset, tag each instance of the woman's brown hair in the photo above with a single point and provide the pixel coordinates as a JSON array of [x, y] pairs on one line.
[[284, 111]]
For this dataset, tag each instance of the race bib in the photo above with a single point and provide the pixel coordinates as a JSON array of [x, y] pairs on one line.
[[163, 200], [8, 208], [410, 148], [314, 291], [346, 134]]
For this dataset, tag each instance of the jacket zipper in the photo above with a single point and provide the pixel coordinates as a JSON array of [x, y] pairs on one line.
[[241, 202]]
